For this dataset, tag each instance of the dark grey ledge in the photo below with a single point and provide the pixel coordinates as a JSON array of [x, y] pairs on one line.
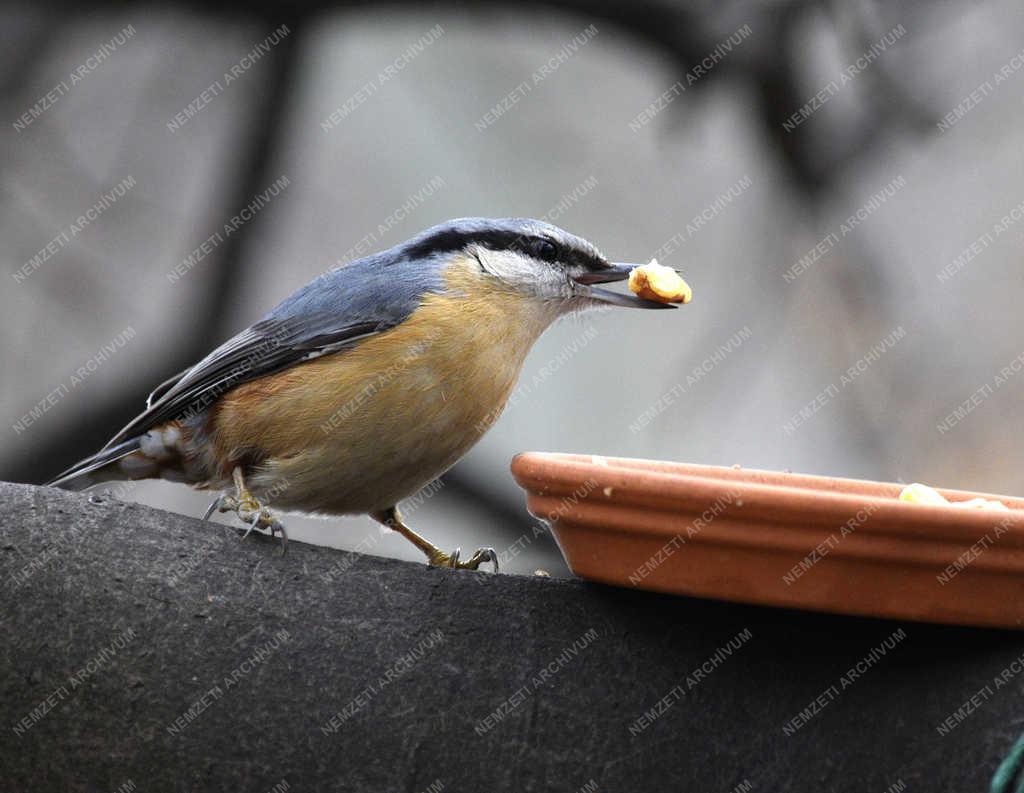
[[139, 647]]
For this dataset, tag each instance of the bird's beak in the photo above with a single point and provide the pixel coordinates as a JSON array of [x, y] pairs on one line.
[[617, 272]]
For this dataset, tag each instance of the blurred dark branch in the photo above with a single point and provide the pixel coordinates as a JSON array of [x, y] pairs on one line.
[[33, 52], [257, 157]]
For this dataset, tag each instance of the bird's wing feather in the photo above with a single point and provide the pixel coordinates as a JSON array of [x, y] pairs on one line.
[[331, 313], [164, 387]]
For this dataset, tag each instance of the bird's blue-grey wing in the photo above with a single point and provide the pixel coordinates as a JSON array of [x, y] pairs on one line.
[[332, 312]]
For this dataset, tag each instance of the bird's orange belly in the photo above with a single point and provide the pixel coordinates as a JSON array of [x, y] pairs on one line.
[[359, 430]]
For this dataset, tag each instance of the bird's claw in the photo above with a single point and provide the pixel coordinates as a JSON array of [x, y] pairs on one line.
[[441, 559], [250, 511], [214, 506]]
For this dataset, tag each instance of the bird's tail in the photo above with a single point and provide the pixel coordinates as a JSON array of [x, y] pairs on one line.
[[96, 468]]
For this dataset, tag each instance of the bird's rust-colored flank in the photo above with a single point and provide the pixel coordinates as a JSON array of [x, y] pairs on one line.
[[358, 430]]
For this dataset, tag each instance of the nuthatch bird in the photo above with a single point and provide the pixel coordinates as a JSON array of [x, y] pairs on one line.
[[367, 383]]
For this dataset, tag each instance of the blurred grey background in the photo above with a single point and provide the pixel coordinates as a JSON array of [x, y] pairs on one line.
[[849, 361]]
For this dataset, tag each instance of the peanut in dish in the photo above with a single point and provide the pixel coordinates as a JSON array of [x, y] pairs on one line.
[[917, 493], [653, 281]]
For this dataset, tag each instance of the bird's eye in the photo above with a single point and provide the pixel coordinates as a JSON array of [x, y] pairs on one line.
[[545, 250]]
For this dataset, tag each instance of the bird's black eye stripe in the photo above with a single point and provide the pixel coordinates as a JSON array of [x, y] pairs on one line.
[[526, 241], [543, 249]]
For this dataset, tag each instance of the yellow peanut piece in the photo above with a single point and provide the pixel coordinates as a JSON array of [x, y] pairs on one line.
[[653, 281], [917, 493]]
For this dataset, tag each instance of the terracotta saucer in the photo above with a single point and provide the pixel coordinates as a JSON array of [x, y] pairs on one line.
[[810, 542]]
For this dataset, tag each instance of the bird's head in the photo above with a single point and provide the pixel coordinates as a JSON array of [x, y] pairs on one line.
[[535, 258]]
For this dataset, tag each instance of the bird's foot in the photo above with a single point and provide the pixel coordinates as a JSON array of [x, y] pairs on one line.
[[435, 556], [439, 558], [252, 513]]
